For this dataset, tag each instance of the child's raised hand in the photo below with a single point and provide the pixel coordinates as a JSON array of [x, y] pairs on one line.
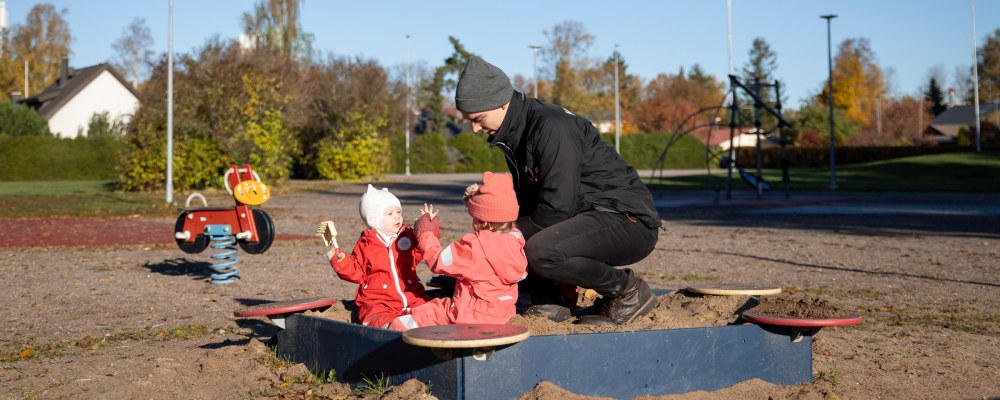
[[429, 209], [469, 191]]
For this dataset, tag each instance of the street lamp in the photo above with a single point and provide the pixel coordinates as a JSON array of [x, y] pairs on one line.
[[618, 121], [534, 65], [829, 62], [975, 73], [408, 110], [170, 102]]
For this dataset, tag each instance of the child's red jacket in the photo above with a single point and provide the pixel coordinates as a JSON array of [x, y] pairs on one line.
[[387, 280]]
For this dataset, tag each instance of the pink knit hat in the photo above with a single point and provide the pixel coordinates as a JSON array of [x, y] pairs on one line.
[[495, 200]]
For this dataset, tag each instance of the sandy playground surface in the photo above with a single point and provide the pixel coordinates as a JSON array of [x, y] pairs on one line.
[[121, 312]]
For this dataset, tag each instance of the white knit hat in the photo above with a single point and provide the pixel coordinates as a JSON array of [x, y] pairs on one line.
[[373, 205]]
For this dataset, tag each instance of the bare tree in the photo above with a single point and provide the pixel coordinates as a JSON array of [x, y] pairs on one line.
[[134, 58]]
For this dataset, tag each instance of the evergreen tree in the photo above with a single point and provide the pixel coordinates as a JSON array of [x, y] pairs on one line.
[[935, 95], [761, 66]]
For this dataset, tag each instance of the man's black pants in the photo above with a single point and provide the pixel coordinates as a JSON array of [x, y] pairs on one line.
[[582, 251]]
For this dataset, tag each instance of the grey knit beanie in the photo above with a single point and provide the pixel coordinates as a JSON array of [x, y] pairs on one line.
[[481, 87]]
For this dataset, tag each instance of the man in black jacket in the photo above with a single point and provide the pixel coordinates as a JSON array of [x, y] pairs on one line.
[[583, 209]]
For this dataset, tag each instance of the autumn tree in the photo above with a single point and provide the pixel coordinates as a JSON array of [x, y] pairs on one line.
[[134, 56], [275, 24], [857, 82], [351, 103], [988, 63], [668, 100], [230, 106], [566, 56], [42, 41]]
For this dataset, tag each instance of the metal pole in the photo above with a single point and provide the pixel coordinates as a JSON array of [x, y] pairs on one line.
[[878, 114], [757, 146], [829, 58], [534, 65], [618, 120], [729, 33], [975, 74], [920, 113], [170, 102], [408, 111]]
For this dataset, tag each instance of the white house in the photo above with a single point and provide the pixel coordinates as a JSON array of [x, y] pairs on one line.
[[78, 94], [748, 139]]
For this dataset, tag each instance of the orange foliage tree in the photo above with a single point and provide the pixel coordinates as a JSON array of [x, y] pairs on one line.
[[857, 81], [669, 99]]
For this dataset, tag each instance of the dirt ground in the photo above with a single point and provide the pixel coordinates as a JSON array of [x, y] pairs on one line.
[[131, 316]]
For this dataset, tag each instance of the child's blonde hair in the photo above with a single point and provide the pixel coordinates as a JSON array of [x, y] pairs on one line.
[[501, 227]]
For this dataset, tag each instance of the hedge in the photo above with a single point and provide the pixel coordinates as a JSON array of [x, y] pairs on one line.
[[49, 158]]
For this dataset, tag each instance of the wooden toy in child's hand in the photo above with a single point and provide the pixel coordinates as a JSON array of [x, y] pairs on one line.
[[328, 233]]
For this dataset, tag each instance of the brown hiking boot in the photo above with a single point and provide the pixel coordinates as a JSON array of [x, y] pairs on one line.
[[635, 300]]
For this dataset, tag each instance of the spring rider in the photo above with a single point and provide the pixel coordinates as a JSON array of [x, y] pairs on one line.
[[222, 227]]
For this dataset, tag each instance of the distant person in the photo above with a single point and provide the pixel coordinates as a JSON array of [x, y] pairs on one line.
[[383, 262], [583, 209], [486, 264]]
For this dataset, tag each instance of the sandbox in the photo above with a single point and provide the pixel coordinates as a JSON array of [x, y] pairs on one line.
[[611, 364]]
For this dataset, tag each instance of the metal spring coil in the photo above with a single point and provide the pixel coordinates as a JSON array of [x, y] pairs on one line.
[[222, 238]]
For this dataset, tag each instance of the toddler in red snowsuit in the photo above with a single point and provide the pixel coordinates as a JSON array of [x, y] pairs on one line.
[[487, 264], [383, 262]]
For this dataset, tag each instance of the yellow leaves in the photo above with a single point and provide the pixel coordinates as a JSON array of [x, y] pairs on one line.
[[857, 81], [27, 352]]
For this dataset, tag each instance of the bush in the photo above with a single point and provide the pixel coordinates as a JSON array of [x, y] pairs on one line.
[[642, 150], [475, 154], [19, 120], [101, 124], [49, 158], [430, 154], [354, 151]]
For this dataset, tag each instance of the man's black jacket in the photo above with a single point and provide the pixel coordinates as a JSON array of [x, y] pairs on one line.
[[562, 167]]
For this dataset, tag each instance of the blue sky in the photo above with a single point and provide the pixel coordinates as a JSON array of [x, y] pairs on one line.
[[909, 37]]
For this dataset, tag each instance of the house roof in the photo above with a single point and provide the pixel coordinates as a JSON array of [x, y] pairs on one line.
[[964, 115], [49, 101]]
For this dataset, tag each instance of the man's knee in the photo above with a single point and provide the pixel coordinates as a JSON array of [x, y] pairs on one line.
[[543, 255]]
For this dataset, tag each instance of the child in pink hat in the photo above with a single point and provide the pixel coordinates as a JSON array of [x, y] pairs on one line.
[[486, 264]]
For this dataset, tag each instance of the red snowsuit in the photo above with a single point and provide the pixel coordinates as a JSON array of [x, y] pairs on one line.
[[487, 266], [387, 280]]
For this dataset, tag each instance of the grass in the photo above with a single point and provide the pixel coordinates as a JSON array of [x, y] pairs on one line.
[[77, 198], [949, 172], [374, 387], [57, 348]]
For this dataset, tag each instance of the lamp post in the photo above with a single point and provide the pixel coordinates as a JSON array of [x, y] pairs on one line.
[[534, 65], [878, 114], [975, 73], [170, 102], [407, 79], [829, 63], [618, 120]]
